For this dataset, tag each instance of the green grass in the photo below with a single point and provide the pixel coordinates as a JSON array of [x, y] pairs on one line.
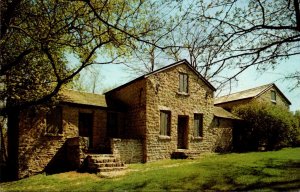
[[266, 171]]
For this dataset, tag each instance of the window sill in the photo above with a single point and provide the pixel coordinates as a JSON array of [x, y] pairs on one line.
[[164, 137], [197, 138], [53, 135], [183, 93]]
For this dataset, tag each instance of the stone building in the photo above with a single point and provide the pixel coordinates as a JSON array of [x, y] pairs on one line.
[[167, 113], [266, 93]]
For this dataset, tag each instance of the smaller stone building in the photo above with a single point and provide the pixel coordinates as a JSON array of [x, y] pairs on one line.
[[160, 115], [266, 93]]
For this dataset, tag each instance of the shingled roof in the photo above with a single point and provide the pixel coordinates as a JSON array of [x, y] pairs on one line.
[[220, 112], [82, 98], [248, 94]]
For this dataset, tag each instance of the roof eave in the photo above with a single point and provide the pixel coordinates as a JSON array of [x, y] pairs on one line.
[[82, 104], [234, 100], [277, 89], [184, 61], [162, 69]]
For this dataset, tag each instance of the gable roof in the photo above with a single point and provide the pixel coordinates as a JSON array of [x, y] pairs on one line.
[[165, 68], [82, 98], [220, 112], [248, 94]]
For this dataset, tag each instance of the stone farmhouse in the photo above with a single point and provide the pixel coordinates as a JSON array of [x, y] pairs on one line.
[[168, 113], [266, 93]]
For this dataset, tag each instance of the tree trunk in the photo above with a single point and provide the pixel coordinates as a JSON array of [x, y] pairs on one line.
[[13, 144]]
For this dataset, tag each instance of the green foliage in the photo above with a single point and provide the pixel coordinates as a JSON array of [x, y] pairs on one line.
[[277, 171], [266, 125], [37, 37]]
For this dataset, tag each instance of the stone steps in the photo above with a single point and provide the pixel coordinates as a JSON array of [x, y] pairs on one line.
[[110, 169], [98, 163], [185, 154]]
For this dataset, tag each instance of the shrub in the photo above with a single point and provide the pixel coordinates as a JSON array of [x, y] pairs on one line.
[[265, 126]]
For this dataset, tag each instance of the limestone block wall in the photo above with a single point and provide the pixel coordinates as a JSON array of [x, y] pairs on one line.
[[133, 96], [222, 130], [230, 105], [38, 150], [71, 116], [162, 94], [266, 97], [76, 149], [128, 150]]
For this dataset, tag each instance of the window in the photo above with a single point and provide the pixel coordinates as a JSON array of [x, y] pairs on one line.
[[115, 122], [54, 121], [183, 83], [165, 122], [85, 124], [198, 125], [273, 96]]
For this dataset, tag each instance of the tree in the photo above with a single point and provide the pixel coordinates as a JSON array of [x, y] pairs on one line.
[[89, 80], [228, 37], [297, 116], [266, 125], [148, 57], [37, 38]]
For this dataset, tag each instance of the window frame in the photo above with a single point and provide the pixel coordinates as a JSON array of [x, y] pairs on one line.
[[54, 119], [198, 131], [165, 123], [183, 83], [273, 96]]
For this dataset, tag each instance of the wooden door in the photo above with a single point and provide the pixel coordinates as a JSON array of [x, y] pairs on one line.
[[182, 132], [85, 125]]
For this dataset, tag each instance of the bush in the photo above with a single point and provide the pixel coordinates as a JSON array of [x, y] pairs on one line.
[[265, 126]]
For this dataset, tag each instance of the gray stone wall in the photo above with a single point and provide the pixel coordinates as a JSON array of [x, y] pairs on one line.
[[128, 150]]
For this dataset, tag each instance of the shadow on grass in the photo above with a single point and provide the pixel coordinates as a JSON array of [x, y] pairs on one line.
[[280, 186], [266, 175]]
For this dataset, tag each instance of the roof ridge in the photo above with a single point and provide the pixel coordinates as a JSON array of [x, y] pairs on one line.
[[183, 61], [250, 89]]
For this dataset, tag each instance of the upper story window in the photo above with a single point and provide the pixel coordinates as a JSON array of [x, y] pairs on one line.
[[165, 123], [183, 82], [54, 121], [273, 96]]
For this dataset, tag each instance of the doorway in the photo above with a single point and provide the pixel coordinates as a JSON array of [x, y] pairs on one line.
[[85, 125], [182, 132]]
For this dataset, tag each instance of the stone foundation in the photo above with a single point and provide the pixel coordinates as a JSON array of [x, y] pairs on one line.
[[76, 151], [128, 150]]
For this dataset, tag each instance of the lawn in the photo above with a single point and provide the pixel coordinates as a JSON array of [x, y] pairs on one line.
[[278, 170]]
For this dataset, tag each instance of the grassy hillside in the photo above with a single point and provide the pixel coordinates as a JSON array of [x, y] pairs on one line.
[[278, 170]]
